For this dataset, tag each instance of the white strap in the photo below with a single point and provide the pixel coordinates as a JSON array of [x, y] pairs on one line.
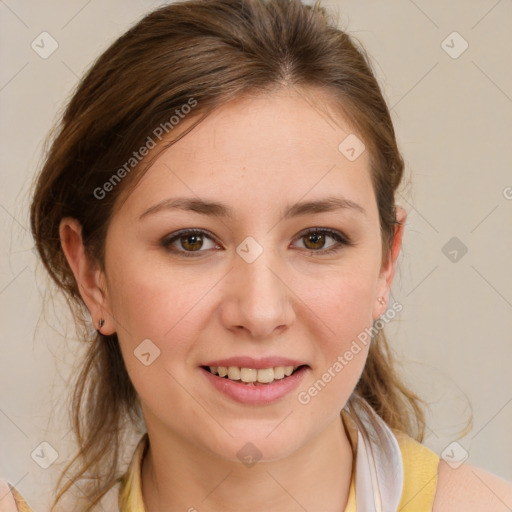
[[379, 468]]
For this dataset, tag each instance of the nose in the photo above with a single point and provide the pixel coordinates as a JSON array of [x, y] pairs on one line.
[[257, 299]]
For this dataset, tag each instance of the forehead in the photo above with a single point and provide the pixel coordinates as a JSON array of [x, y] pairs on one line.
[[274, 148]]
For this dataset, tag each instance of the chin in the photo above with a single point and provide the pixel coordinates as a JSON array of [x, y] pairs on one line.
[[250, 446]]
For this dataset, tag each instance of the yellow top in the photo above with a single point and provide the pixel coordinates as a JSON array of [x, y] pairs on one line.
[[420, 476]]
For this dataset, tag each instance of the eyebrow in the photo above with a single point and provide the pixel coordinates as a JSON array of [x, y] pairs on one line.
[[217, 209]]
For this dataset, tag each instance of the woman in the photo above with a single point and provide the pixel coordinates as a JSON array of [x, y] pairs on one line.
[[221, 199]]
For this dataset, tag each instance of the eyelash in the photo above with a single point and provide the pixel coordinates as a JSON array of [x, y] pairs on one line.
[[340, 239]]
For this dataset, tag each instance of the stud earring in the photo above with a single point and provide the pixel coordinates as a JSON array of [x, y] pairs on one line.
[[101, 323], [382, 301]]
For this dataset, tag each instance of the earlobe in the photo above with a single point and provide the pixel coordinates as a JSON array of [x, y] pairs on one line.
[[87, 273]]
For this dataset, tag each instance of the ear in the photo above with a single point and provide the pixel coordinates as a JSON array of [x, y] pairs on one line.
[[387, 273], [88, 275]]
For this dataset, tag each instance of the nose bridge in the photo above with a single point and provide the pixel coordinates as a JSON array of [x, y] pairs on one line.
[[259, 299]]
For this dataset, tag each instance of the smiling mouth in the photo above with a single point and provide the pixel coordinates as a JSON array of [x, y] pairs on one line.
[[252, 376]]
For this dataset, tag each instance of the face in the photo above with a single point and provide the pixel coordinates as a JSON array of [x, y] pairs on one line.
[[261, 282]]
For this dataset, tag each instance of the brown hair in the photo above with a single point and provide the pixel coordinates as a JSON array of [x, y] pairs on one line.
[[211, 51]]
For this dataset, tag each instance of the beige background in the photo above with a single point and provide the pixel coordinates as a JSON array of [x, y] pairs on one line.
[[453, 118]]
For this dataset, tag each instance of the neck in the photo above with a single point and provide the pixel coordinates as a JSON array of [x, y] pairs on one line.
[[178, 476]]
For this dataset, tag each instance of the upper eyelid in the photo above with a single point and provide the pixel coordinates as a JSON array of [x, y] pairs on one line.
[[174, 236]]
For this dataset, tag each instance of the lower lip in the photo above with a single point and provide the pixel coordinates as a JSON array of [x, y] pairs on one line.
[[256, 394]]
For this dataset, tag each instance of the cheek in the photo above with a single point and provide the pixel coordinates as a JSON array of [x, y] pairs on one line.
[[156, 301], [343, 300], [157, 312], [341, 310], [168, 306]]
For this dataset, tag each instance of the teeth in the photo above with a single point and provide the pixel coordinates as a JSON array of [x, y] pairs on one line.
[[249, 375], [279, 372], [234, 373], [263, 375], [288, 370]]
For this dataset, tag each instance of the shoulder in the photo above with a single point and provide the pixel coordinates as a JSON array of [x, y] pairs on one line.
[[470, 489], [10, 499], [428, 479]]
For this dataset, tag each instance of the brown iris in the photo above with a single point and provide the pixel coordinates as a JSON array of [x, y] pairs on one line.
[[191, 242], [317, 239]]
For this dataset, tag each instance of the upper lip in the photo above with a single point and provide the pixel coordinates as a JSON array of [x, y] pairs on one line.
[[251, 362]]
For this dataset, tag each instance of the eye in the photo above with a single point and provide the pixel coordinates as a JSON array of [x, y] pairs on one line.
[[315, 239], [191, 242]]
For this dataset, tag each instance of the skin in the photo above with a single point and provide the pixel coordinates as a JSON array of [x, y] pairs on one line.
[[257, 155], [470, 488]]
